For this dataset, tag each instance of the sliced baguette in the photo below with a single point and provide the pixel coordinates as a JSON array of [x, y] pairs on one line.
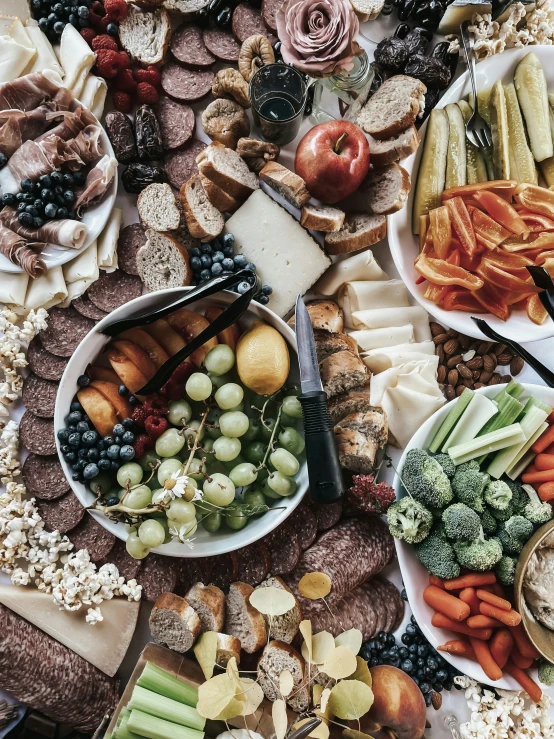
[[145, 34], [356, 452], [227, 647], [279, 656], [174, 623], [242, 620], [387, 189], [185, 7], [163, 262], [367, 10], [325, 315], [285, 627], [322, 218], [204, 221], [288, 184], [157, 208], [209, 603], [393, 108], [226, 169], [327, 343], [218, 197], [398, 147], [341, 372], [358, 231]]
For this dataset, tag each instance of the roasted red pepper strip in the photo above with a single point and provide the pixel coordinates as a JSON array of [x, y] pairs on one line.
[[536, 199], [485, 243], [515, 298], [441, 272], [491, 299], [505, 188], [441, 228], [544, 240], [543, 256], [470, 263], [499, 277], [536, 310], [507, 260], [501, 211], [537, 222], [462, 300], [461, 223], [488, 228], [435, 293]]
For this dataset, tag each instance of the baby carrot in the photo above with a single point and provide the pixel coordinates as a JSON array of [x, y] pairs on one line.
[[446, 603], [469, 596], [483, 622], [501, 645], [546, 491], [523, 642], [485, 658], [443, 622], [471, 580], [494, 600], [510, 618], [543, 441], [544, 461], [520, 661], [539, 475], [460, 647], [434, 580], [497, 589], [549, 449], [530, 686]]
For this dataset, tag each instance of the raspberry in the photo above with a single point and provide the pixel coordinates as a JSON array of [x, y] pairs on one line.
[[125, 82], [155, 405], [89, 34], [98, 8], [139, 415], [155, 426], [116, 9], [125, 60], [173, 390], [150, 75], [94, 20], [146, 93], [104, 42], [108, 63], [142, 444], [105, 22]]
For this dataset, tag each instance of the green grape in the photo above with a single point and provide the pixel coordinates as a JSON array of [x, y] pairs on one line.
[[263, 474], [130, 529], [158, 496], [233, 424], [199, 386], [236, 520], [220, 359], [167, 468], [169, 443], [254, 497], [129, 474], [281, 484], [267, 428], [239, 459], [226, 449], [139, 497], [254, 429], [255, 452], [213, 420], [219, 490], [196, 470], [205, 449], [192, 431], [292, 407], [101, 484], [150, 458], [212, 522], [214, 466], [151, 533], [267, 491], [243, 474], [290, 439], [189, 529], [179, 412], [229, 396], [181, 511], [135, 547], [219, 380], [161, 518], [121, 493], [285, 462], [286, 420]]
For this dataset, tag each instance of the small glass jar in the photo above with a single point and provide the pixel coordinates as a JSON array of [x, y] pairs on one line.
[[352, 89]]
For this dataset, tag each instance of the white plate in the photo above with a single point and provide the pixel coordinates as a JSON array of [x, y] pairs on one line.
[[94, 218], [414, 574], [405, 247], [205, 544]]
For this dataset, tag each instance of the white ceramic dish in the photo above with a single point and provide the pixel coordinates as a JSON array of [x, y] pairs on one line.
[[405, 247], [414, 574], [91, 347]]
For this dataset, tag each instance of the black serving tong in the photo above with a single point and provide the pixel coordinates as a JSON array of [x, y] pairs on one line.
[[543, 372], [541, 278], [231, 314]]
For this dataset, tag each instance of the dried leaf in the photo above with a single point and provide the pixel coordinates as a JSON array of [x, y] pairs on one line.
[[353, 734], [315, 585], [317, 690], [205, 651], [352, 639], [323, 644], [250, 695], [340, 663], [320, 732], [362, 673], [325, 699], [280, 718], [272, 601], [216, 699], [306, 631], [232, 671], [286, 683], [350, 699]]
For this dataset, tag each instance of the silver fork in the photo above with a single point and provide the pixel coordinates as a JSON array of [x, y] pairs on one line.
[[477, 130]]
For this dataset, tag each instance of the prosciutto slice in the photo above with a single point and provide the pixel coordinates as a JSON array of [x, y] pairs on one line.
[[27, 93], [70, 126], [17, 126], [63, 232], [98, 180], [23, 253], [60, 153], [34, 159], [87, 144]]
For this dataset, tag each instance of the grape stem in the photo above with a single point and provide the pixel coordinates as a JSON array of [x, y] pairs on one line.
[[196, 441], [271, 438]]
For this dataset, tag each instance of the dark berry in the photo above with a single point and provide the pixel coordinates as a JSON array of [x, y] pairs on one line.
[[128, 423], [132, 400], [228, 240], [118, 440], [123, 390], [114, 465], [422, 650], [228, 251], [75, 417], [128, 437], [118, 429], [262, 299], [104, 464], [90, 471], [112, 29], [407, 665], [407, 639], [82, 426], [69, 196], [74, 440], [82, 464], [3, 160], [45, 180], [113, 451], [428, 697], [63, 434], [70, 457], [195, 252], [243, 287], [195, 264], [82, 454], [216, 269], [206, 249], [227, 263], [438, 687], [127, 453], [112, 501], [83, 380], [26, 185], [26, 219], [442, 675], [425, 687], [206, 261], [76, 477], [240, 260], [205, 275], [218, 256], [90, 438], [58, 27], [93, 455], [374, 661], [76, 406], [62, 212], [404, 594], [267, 289], [251, 266], [8, 199]]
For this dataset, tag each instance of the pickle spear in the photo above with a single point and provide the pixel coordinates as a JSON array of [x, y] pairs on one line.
[[483, 103], [432, 168], [522, 163], [456, 163], [546, 167], [476, 167], [499, 131], [532, 94]]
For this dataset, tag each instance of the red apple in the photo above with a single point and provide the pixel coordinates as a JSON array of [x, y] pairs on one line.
[[333, 159]]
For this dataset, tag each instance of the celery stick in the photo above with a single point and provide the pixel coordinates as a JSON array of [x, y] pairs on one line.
[[122, 730], [475, 416], [522, 465], [503, 460], [509, 411], [451, 420], [156, 728], [166, 708], [490, 442], [516, 469], [161, 682]]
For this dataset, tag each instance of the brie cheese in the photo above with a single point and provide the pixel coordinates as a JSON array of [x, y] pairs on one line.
[[83, 267], [376, 338], [378, 360], [364, 295], [46, 57]]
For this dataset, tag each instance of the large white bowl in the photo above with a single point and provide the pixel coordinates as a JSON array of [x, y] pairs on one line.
[[204, 544], [404, 245], [414, 574]]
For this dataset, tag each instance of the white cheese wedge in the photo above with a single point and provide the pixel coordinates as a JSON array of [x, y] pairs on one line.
[[364, 295], [376, 318], [375, 338], [379, 360], [93, 94], [47, 290], [76, 57], [286, 256], [84, 266], [406, 410], [104, 645], [107, 241], [459, 11], [13, 287], [362, 266], [46, 57]]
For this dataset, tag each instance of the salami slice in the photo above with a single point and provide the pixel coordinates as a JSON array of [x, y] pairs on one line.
[[83, 306], [247, 21], [186, 85], [359, 609], [222, 44], [393, 599], [181, 165], [254, 563], [190, 571], [39, 396], [222, 570], [37, 434], [269, 11], [131, 239], [66, 329], [158, 575], [62, 514], [93, 537], [114, 289], [188, 47], [43, 363], [177, 122], [284, 548], [126, 565], [44, 477], [327, 514], [304, 522]]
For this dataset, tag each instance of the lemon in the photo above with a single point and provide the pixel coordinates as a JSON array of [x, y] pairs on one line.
[[263, 360]]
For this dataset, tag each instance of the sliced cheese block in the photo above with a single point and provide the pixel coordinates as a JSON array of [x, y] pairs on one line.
[[93, 94], [77, 288], [362, 266], [379, 360], [17, 8], [406, 410], [286, 256], [13, 287], [104, 645], [47, 290], [46, 57], [84, 266], [376, 338], [14, 55], [377, 318], [425, 368], [76, 57], [107, 242], [364, 295]]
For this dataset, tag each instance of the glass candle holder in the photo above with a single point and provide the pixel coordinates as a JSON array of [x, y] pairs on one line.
[[351, 88], [278, 96]]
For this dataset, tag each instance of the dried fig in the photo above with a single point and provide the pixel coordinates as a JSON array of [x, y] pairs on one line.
[[225, 121], [255, 52], [230, 85], [257, 153]]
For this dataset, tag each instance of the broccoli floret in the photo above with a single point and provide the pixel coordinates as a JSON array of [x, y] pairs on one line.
[[468, 485], [535, 510], [488, 522], [461, 522], [514, 533], [498, 495], [503, 515], [505, 570], [409, 520], [546, 672], [437, 556], [425, 480], [480, 554], [519, 499], [447, 464]]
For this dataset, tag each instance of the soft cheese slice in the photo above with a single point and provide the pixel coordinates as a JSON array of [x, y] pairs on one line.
[[375, 338], [17, 8], [47, 290], [84, 266], [377, 318], [379, 360], [425, 368], [93, 94], [365, 295], [46, 57], [16, 49], [77, 59], [13, 287], [286, 256], [107, 241], [406, 410], [104, 645], [362, 266]]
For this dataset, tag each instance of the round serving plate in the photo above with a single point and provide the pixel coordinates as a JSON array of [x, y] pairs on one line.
[[404, 245], [204, 543], [414, 574]]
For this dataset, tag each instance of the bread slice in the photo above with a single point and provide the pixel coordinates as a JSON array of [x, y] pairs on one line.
[[226, 169], [325, 315], [356, 452], [279, 656], [372, 423], [145, 34], [185, 7], [285, 627], [157, 208], [393, 108], [322, 218], [342, 372], [358, 231], [174, 623], [204, 221], [209, 603], [398, 147], [387, 189], [227, 647], [242, 620], [288, 184], [367, 10], [354, 401], [163, 262], [331, 342], [218, 197]]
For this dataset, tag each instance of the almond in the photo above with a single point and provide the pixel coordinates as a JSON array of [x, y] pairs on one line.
[[504, 359], [453, 333], [468, 383], [436, 329], [484, 377], [484, 347], [478, 385], [464, 371], [436, 700], [489, 364], [476, 374], [449, 392], [453, 377], [440, 338], [453, 361], [496, 379], [439, 351], [475, 363], [506, 379], [451, 346], [465, 341], [441, 374], [516, 365], [499, 349], [460, 389]]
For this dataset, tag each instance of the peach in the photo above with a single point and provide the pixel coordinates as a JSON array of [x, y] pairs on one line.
[[109, 390], [100, 411], [137, 356], [148, 343], [127, 371], [165, 336], [229, 335], [398, 709], [189, 325], [106, 374]]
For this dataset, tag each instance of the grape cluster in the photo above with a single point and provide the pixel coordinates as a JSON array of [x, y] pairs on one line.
[[415, 656], [54, 15]]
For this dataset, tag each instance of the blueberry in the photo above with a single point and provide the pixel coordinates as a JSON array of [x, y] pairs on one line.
[[448, 685], [218, 256], [69, 196], [128, 437], [26, 219], [70, 457], [128, 423], [432, 664], [262, 299], [74, 439], [420, 663], [118, 429], [101, 445], [76, 406], [438, 687], [403, 653], [43, 24], [407, 665], [79, 177], [31, 209], [195, 252], [123, 390], [114, 500], [83, 380], [3, 160], [374, 661], [65, 449], [9, 199], [82, 12], [112, 29], [93, 455], [45, 180], [52, 18], [108, 441], [228, 240], [422, 650], [429, 672], [127, 453], [424, 687], [74, 20], [104, 464], [82, 426], [72, 427], [27, 185], [63, 434], [90, 471], [132, 400], [62, 212], [206, 249], [115, 465], [72, 215], [411, 629], [38, 222], [217, 269], [195, 264], [82, 463], [82, 454], [47, 195], [407, 639], [21, 208], [228, 251], [205, 275], [428, 698], [441, 675], [58, 9], [76, 477], [58, 27], [240, 260], [113, 451], [118, 440], [51, 210], [227, 263], [90, 438], [56, 177], [206, 261], [20, 197], [243, 287], [103, 453]]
